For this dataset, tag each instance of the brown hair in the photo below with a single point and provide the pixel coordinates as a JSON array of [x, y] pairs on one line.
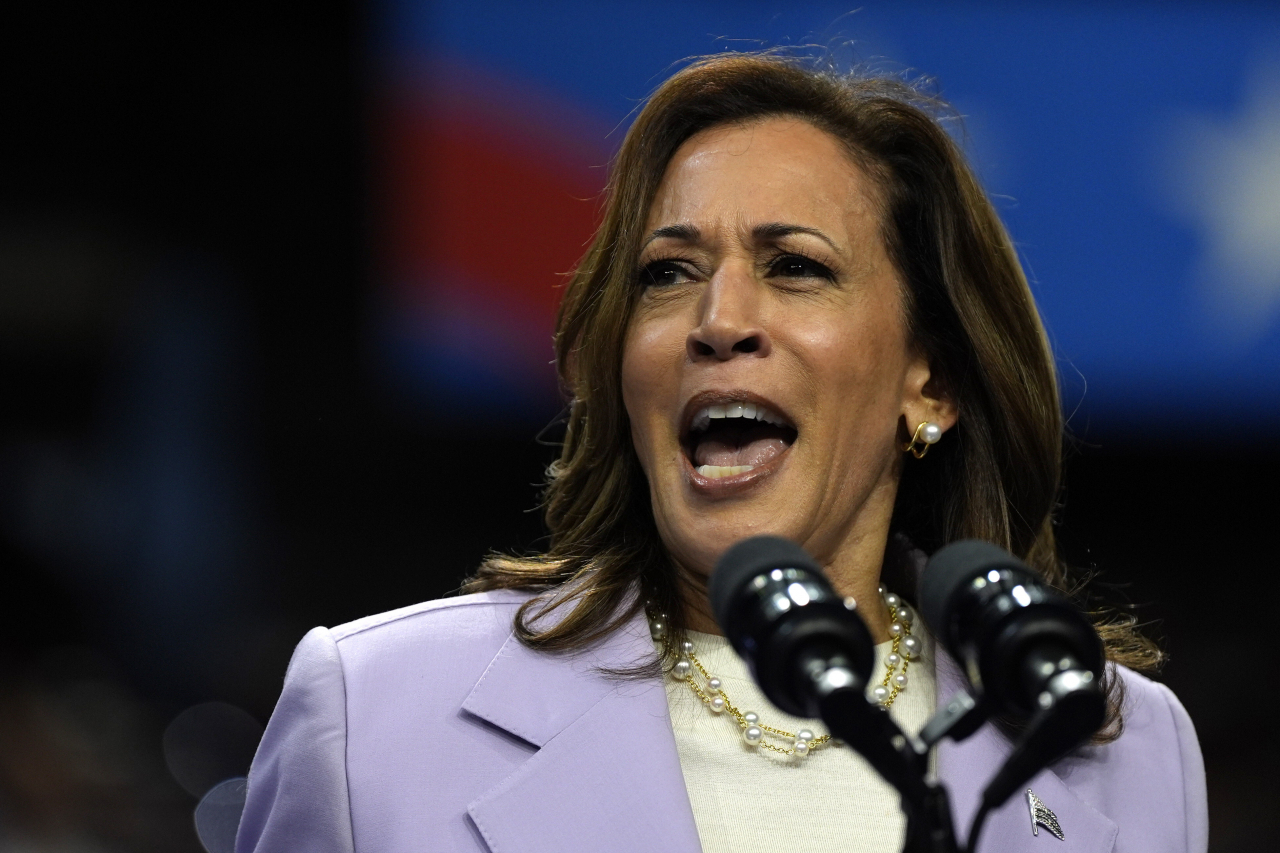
[[995, 477]]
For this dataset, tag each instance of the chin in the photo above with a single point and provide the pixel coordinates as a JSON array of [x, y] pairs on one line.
[[697, 547]]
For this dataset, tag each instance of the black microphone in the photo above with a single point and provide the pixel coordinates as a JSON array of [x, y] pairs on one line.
[[783, 618], [1026, 650], [812, 655]]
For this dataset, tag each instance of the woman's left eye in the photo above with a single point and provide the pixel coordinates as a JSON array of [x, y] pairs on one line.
[[798, 266]]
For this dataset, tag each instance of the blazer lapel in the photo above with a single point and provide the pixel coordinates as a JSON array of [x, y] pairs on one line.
[[965, 768], [606, 774]]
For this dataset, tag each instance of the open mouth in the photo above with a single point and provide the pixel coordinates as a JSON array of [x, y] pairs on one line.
[[732, 438]]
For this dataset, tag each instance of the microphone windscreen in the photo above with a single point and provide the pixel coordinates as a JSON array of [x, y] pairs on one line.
[[950, 568], [747, 559]]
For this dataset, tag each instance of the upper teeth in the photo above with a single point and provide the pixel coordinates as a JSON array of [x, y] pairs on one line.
[[751, 411]]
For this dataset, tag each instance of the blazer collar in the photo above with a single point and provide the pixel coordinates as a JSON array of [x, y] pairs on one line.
[[965, 768], [606, 774]]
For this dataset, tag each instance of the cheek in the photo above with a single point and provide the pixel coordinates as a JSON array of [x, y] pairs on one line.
[[862, 362], [848, 353]]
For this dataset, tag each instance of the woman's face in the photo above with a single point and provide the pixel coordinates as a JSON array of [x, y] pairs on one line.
[[767, 365]]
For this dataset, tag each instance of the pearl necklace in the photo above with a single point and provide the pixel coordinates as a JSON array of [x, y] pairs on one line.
[[710, 691]]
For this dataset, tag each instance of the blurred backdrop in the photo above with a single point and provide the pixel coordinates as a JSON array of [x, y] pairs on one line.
[[276, 293]]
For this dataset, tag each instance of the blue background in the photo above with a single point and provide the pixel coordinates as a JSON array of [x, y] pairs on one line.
[[1100, 131]]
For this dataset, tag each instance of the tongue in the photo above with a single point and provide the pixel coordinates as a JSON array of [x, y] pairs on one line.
[[714, 451]]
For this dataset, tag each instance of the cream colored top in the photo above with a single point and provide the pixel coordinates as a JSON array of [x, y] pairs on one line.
[[751, 800]]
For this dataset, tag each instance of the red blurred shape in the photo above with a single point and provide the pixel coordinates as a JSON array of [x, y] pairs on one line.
[[491, 189]]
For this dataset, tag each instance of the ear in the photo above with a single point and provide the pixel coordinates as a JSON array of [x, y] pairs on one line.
[[926, 398]]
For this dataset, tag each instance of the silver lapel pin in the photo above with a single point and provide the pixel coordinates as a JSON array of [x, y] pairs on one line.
[[1042, 815]]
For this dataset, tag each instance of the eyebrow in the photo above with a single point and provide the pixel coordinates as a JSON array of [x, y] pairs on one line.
[[683, 233], [778, 230], [766, 232]]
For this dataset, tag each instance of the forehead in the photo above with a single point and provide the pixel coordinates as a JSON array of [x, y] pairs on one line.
[[773, 169]]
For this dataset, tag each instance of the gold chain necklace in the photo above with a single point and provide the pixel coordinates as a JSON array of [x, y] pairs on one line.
[[710, 692]]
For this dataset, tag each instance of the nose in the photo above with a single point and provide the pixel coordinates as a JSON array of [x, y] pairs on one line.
[[729, 319]]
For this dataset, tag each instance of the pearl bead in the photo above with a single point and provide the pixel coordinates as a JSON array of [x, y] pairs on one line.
[[686, 646], [905, 615], [752, 735], [751, 717], [713, 684], [891, 599], [900, 680], [682, 669], [881, 694], [804, 734], [892, 660], [801, 747], [895, 630], [911, 647], [931, 433], [717, 704], [657, 629]]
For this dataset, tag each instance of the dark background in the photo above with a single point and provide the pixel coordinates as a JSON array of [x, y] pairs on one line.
[[198, 463]]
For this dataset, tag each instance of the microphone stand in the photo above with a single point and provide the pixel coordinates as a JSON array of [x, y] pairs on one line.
[[929, 828], [898, 757]]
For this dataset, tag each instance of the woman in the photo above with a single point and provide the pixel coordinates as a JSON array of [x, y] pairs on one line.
[[797, 290]]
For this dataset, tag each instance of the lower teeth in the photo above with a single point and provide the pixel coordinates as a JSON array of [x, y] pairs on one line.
[[715, 472]]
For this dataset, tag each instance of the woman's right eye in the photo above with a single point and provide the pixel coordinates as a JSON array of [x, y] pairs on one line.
[[663, 274]]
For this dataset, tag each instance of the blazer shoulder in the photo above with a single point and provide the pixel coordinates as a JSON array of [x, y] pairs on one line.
[[1152, 776], [1151, 709], [429, 654], [470, 616], [1155, 714]]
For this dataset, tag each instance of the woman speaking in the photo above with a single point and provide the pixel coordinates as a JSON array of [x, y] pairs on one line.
[[800, 316]]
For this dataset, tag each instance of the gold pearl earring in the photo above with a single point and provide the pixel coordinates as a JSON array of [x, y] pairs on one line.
[[926, 435]]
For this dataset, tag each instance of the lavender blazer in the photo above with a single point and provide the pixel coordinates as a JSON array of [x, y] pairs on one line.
[[432, 729]]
